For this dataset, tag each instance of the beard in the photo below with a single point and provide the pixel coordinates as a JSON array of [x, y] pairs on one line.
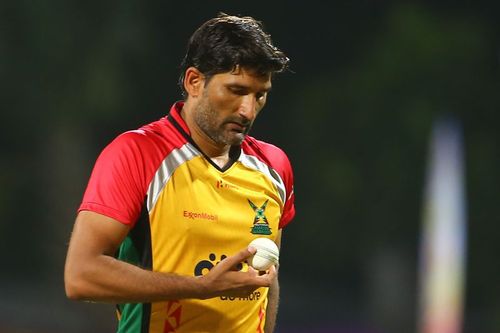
[[206, 117]]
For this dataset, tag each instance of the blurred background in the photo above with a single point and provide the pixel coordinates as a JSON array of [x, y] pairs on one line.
[[355, 117]]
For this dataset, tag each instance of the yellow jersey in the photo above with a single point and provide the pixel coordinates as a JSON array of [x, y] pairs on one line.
[[187, 214]]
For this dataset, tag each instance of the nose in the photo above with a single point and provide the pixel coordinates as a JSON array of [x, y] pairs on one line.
[[248, 107]]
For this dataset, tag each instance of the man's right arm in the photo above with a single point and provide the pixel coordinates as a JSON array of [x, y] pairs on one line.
[[93, 273]]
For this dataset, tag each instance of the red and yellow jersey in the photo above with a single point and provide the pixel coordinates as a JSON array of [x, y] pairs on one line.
[[187, 214]]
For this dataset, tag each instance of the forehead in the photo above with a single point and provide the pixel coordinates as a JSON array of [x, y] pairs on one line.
[[244, 77]]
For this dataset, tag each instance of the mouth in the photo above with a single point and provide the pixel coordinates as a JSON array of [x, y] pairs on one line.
[[237, 127]]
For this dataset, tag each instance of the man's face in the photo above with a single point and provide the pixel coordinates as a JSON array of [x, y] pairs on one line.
[[229, 104]]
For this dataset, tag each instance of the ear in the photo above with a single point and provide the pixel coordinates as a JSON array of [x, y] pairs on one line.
[[193, 81]]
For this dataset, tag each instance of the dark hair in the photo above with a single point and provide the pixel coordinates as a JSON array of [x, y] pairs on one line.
[[226, 41]]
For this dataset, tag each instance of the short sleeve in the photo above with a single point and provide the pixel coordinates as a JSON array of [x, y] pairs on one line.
[[116, 187], [289, 208]]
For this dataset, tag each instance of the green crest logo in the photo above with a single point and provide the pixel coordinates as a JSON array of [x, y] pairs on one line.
[[260, 224]]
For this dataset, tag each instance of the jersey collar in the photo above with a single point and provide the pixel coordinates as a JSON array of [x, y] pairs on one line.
[[175, 113], [175, 117]]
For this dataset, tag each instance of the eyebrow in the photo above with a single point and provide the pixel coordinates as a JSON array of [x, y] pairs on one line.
[[240, 86]]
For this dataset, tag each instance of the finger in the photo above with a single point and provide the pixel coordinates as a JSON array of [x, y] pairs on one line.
[[273, 270], [252, 249], [254, 272], [239, 257], [269, 275]]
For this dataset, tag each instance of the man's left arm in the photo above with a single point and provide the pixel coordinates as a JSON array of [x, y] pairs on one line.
[[273, 296]]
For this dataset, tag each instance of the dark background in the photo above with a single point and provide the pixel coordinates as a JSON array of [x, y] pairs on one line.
[[355, 117]]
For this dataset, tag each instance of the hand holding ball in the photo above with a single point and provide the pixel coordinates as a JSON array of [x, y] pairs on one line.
[[267, 254]]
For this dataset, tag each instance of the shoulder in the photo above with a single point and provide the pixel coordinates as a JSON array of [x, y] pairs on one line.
[[156, 138], [268, 153]]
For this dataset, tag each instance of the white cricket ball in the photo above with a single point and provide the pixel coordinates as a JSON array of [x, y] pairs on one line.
[[267, 254]]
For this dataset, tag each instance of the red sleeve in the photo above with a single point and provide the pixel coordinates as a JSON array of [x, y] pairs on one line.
[[287, 175], [118, 184]]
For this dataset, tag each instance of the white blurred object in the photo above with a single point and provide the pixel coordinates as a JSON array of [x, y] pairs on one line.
[[443, 244]]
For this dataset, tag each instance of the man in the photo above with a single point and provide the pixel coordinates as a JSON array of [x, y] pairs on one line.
[[170, 208]]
